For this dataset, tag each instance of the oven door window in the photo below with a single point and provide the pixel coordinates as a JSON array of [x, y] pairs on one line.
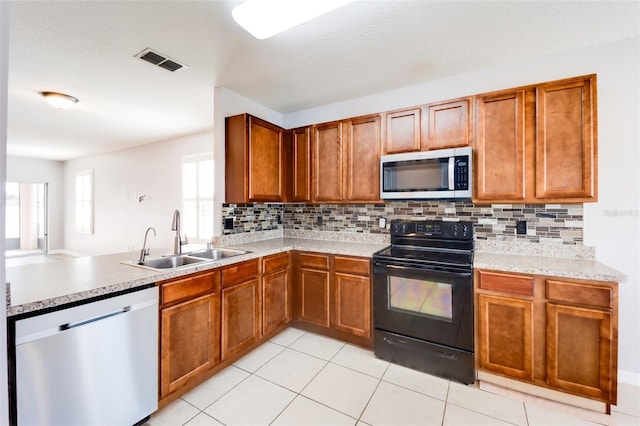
[[429, 299]]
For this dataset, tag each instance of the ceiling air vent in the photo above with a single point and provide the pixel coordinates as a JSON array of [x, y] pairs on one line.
[[163, 61]]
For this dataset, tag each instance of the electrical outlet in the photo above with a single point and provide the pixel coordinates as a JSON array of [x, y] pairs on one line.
[[521, 227], [382, 222], [228, 223]]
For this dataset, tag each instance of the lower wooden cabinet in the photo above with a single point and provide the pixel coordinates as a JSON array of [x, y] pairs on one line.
[[505, 336], [352, 296], [190, 329], [553, 332], [240, 307], [312, 296], [276, 292], [333, 296]]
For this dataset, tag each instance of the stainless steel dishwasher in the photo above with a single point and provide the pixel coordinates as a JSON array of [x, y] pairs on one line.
[[92, 364]]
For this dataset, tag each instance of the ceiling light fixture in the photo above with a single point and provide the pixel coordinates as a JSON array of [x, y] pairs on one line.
[[59, 100], [265, 18]]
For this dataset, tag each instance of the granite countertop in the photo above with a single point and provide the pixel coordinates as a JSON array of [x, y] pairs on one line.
[[588, 269], [39, 286]]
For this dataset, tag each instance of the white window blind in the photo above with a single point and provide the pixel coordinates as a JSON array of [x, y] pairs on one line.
[[197, 197]]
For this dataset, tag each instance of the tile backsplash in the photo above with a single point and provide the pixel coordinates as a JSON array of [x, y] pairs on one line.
[[546, 223]]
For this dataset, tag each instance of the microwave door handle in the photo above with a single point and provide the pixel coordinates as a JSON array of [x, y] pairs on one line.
[[451, 175]]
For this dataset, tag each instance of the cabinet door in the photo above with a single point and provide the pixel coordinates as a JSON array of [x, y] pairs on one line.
[[402, 131], [352, 304], [301, 174], [449, 124], [580, 351], [276, 309], [505, 336], [313, 297], [363, 158], [240, 316], [566, 139], [500, 147], [265, 161], [189, 341], [328, 162]]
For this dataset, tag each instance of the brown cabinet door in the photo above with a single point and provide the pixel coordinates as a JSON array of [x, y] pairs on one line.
[[276, 298], [566, 139], [402, 131], [312, 299], [328, 162], [449, 124], [352, 304], [581, 352], [363, 158], [240, 316], [505, 336], [265, 161], [301, 168], [189, 341], [500, 147]]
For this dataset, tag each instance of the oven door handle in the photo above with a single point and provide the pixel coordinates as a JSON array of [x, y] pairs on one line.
[[406, 267]]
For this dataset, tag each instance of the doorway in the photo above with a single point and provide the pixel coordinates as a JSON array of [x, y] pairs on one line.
[[26, 230]]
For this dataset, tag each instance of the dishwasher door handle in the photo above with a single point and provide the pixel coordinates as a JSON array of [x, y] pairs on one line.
[[68, 326], [41, 334]]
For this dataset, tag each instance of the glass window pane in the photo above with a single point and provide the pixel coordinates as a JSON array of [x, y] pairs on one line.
[[188, 217], [206, 179], [189, 180]]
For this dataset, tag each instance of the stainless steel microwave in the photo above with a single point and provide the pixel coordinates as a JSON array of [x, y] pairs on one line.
[[437, 174]]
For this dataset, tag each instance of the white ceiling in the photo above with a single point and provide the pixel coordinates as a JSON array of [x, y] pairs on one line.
[[87, 48]]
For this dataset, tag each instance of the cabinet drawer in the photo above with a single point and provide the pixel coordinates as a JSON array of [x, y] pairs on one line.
[[239, 273], [185, 288], [506, 283], [316, 261], [597, 296], [352, 265], [275, 263]]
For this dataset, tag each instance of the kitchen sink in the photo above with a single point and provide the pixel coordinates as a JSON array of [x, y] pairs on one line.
[[185, 260], [217, 254], [170, 262]]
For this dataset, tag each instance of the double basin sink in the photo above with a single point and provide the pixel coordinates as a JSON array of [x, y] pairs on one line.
[[187, 259]]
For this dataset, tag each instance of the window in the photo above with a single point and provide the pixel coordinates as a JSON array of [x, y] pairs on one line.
[[197, 197], [84, 201]]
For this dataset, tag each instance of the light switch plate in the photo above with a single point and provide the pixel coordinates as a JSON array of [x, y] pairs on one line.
[[382, 222]]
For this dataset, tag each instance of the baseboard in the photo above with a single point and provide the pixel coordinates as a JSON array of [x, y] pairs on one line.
[[67, 252], [629, 377]]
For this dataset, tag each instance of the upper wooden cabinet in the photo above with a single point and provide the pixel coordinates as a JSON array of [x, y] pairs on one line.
[[566, 139], [254, 160], [346, 160], [328, 162], [500, 146], [403, 131], [363, 158], [537, 144], [299, 141], [449, 124]]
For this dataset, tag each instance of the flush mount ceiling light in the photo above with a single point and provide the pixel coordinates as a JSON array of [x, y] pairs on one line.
[[59, 100], [265, 18]]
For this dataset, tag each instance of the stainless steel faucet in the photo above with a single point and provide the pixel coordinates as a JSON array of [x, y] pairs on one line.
[[178, 242], [145, 251]]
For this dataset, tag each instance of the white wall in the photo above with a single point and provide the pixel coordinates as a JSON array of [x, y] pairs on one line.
[[30, 170], [120, 177], [4, 78], [612, 224], [226, 104]]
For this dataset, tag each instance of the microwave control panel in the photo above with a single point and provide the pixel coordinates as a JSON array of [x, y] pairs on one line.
[[461, 172]]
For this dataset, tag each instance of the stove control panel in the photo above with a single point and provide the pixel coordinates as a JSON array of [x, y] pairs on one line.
[[432, 229]]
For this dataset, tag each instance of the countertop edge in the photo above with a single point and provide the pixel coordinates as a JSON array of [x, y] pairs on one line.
[[568, 268]]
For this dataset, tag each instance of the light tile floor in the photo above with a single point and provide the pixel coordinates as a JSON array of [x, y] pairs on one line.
[[300, 378]]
